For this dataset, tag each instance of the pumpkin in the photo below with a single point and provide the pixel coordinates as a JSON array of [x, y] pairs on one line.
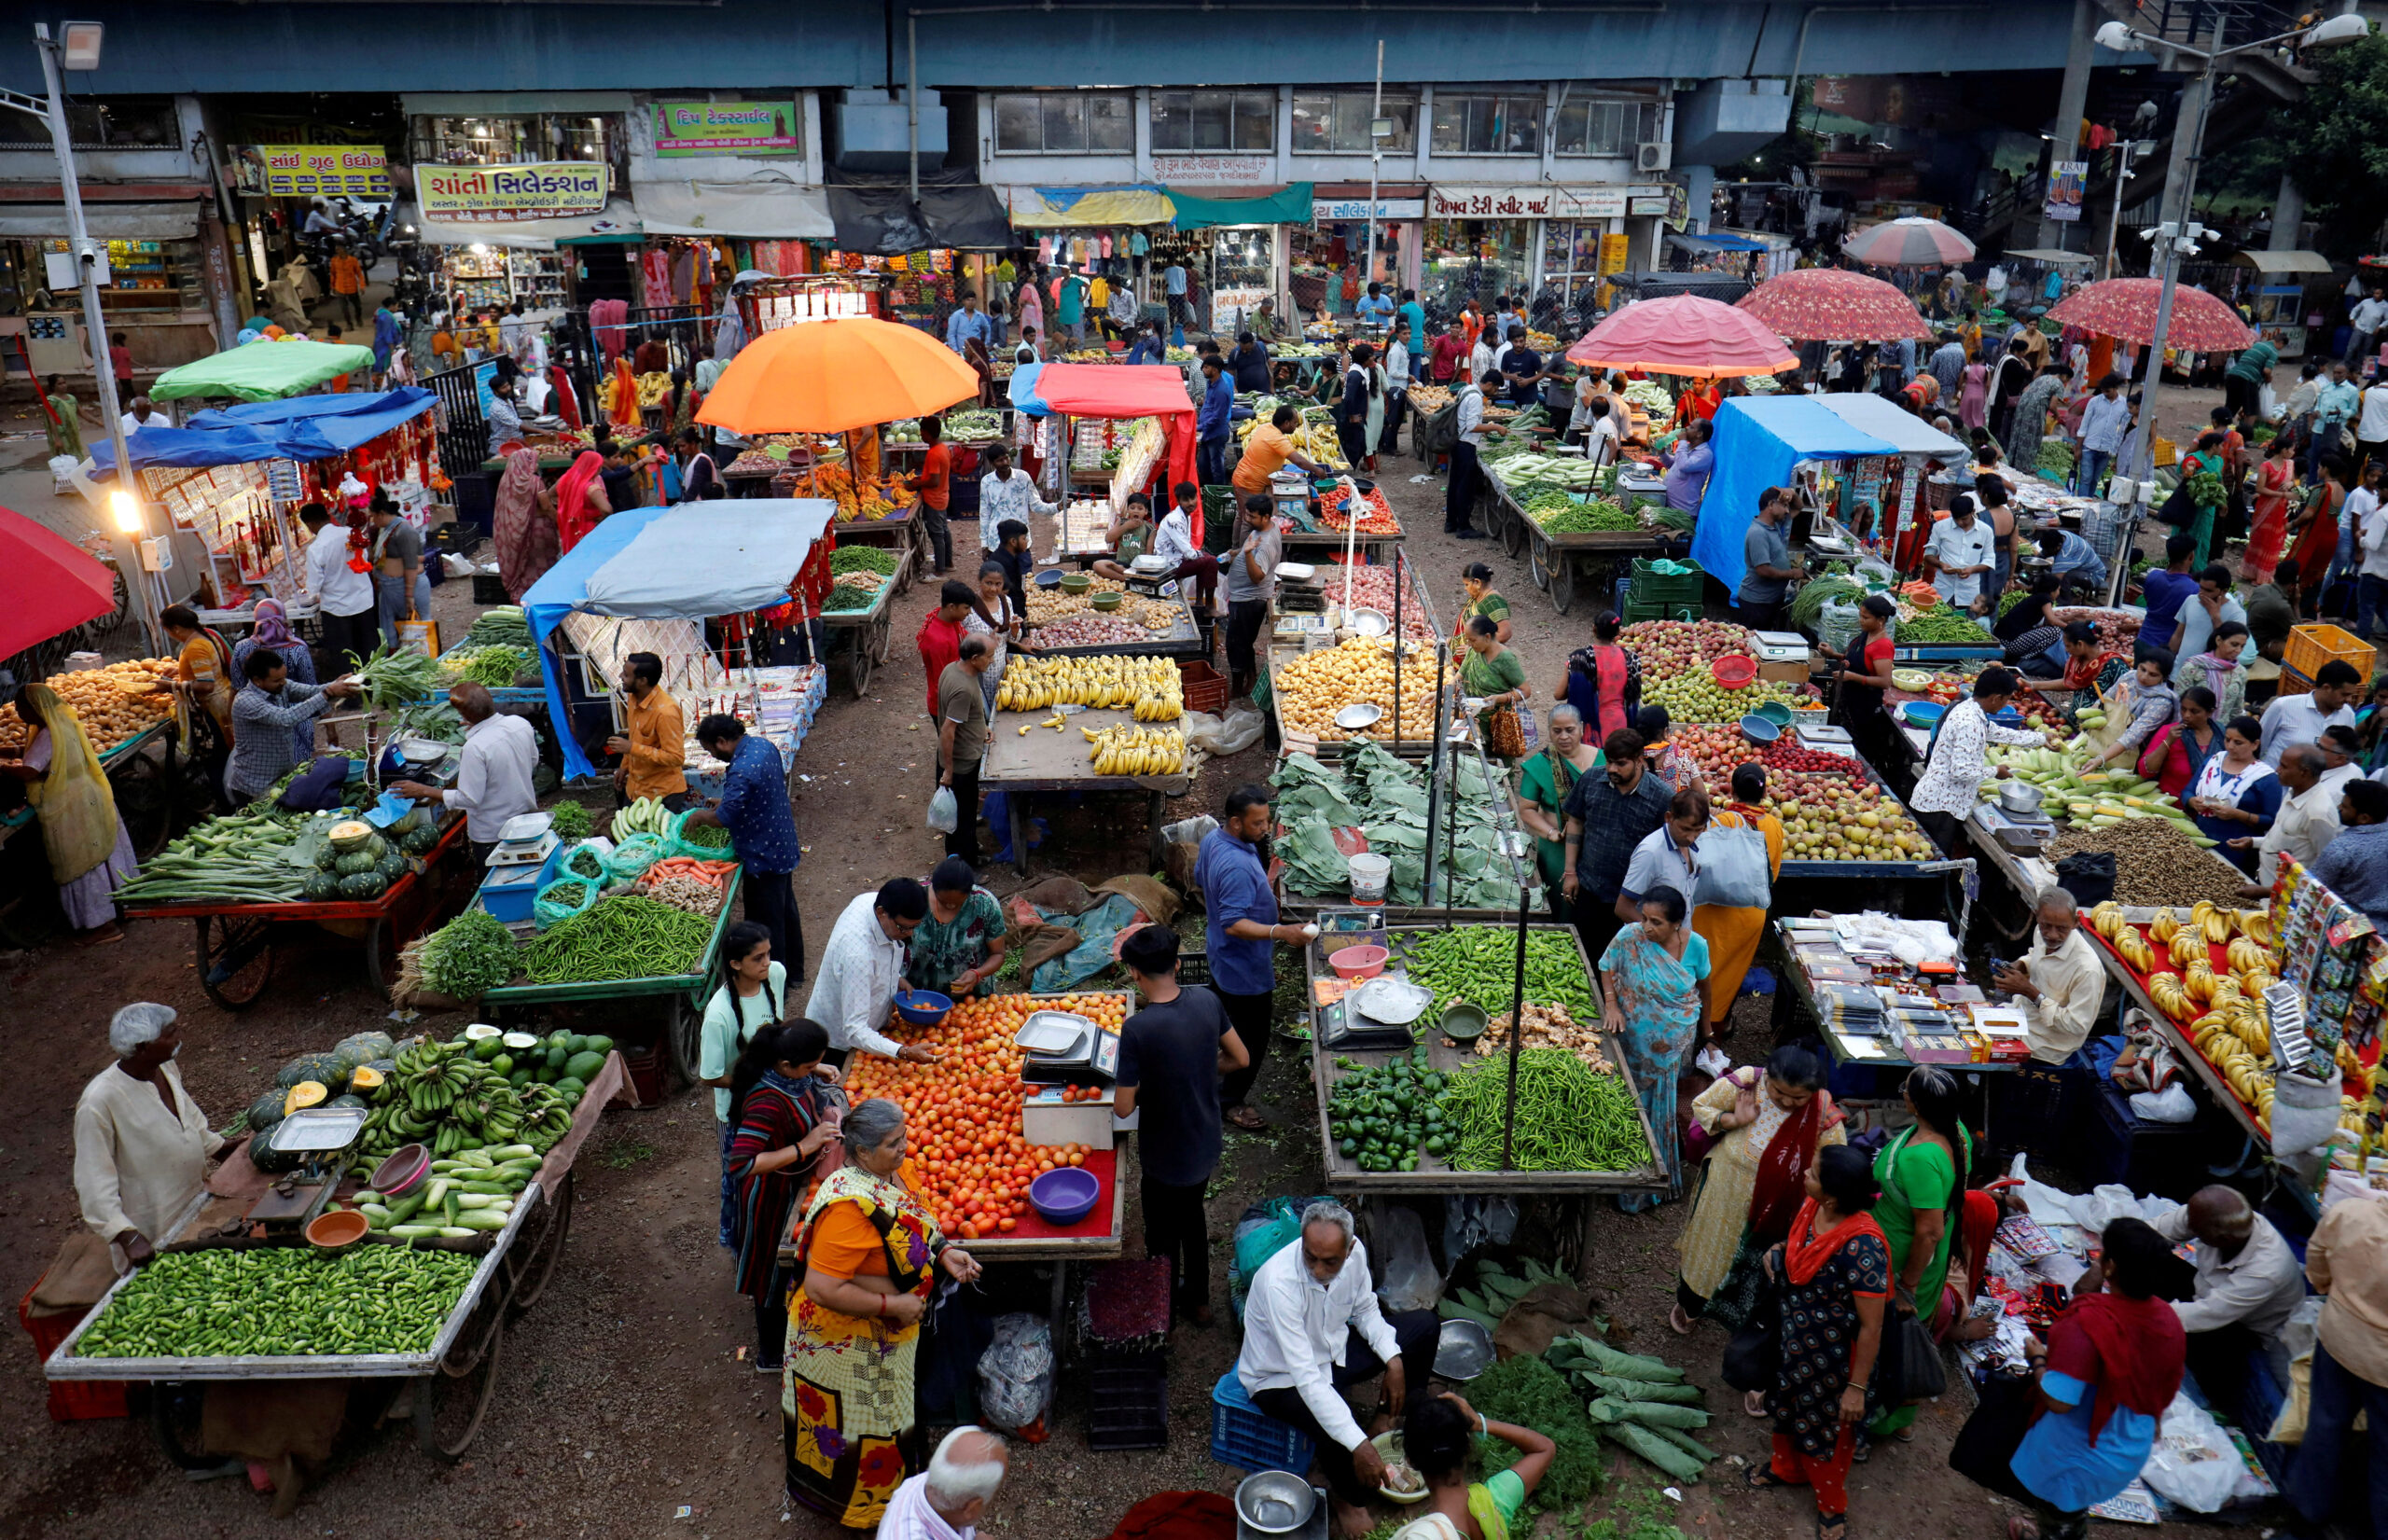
[[366, 1078], [306, 1093]]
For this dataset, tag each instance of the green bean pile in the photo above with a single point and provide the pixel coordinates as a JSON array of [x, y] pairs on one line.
[[1478, 963], [705, 836], [495, 666], [877, 559], [1570, 1116], [282, 1301], [624, 937]]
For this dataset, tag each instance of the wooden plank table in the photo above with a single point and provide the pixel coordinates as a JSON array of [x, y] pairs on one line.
[[1045, 760]]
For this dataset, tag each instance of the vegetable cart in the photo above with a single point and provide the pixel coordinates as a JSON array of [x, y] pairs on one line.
[[447, 1387], [900, 532], [1047, 762], [1183, 639], [865, 636], [1559, 563], [682, 995], [233, 943], [1434, 1173]]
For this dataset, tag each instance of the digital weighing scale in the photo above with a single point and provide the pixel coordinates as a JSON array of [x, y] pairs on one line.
[[1826, 738], [1067, 1049], [1778, 647], [2019, 834], [324, 1134], [524, 852]]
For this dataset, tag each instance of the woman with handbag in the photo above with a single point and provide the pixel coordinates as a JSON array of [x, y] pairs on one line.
[[1492, 673], [1654, 994], [2208, 459], [2152, 702], [1921, 1173], [1769, 1125], [1834, 1269], [2317, 531], [1603, 681], [1738, 862]]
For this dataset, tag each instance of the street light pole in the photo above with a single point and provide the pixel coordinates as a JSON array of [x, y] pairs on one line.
[[1376, 160], [126, 504]]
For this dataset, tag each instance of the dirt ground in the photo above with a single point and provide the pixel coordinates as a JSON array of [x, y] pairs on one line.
[[625, 1409]]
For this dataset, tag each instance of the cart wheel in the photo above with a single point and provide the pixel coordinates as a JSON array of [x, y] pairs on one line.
[[1541, 571], [1513, 534], [1562, 581], [682, 1037], [882, 636], [541, 1251], [858, 666], [450, 1402], [381, 955], [235, 958], [174, 1418], [145, 800]]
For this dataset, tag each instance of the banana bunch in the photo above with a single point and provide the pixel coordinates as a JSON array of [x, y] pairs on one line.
[[2257, 926], [2133, 948], [1318, 441], [2107, 920], [2244, 956], [2166, 926], [2188, 946], [2216, 924], [2171, 995], [1124, 749], [1151, 687]]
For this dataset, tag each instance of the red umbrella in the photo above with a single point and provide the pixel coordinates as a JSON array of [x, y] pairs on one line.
[[2125, 308], [1833, 304], [1684, 334], [51, 584], [1910, 243]]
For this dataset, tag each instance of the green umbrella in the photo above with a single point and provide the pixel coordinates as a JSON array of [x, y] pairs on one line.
[[262, 371]]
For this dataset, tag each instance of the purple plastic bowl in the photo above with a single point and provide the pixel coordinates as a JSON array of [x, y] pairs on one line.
[[1065, 1194]]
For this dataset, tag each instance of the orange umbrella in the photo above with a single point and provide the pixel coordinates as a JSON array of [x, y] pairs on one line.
[[833, 376]]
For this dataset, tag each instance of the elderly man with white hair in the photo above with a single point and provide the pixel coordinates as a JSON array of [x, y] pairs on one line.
[[947, 1501], [2060, 979], [140, 1144], [1311, 1326]]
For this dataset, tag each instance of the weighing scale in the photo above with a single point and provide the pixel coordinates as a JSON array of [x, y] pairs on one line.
[[324, 1134], [1778, 647], [1824, 738], [2020, 834], [1067, 1049], [1289, 496], [524, 852]]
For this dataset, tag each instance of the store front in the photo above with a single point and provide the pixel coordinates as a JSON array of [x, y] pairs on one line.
[[162, 288], [1329, 267], [1556, 245], [1237, 250], [1113, 230]]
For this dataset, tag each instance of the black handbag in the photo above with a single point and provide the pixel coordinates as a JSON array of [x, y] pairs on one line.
[[1908, 1368], [2180, 509], [2088, 876], [1754, 1357]]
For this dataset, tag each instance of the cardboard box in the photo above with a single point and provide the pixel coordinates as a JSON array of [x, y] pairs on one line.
[[1786, 674]]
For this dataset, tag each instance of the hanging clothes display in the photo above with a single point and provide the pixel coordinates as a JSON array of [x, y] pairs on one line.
[[655, 271]]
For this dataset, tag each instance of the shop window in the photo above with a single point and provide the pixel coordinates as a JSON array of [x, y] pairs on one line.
[[511, 139], [1215, 121], [1605, 126], [1065, 122], [1336, 123], [120, 123], [1487, 125]]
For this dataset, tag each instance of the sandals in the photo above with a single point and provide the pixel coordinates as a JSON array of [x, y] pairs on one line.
[[1832, 1526], [1246, 1119], [1762, 1478], [1753, 1403], [2020, 1527]]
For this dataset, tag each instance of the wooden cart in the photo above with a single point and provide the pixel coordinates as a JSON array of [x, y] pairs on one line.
[[865, 636], [1049, 761], [1562, 565], [681, 995], [450, 1384], [900, 532], [234, 943]]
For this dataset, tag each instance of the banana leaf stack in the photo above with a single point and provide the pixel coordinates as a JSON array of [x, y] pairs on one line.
[[1386, 800]]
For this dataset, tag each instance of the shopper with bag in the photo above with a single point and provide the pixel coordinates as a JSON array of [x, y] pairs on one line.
[[2347, 1260], [405, 588], [1654, 989], [783, 1115], [1740, 859], [1491, 674], [1922, 1171]]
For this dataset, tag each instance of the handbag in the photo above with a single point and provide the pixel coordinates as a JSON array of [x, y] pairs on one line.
[[2180, 509], [1908, 1368], [1504, 737], [1733, 869], [1753, 1357]]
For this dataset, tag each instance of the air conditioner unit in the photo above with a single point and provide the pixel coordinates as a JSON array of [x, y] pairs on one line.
[[1654, 155]]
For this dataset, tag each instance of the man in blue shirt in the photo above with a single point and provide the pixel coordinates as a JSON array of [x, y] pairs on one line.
[[2165, 590], [2354, 865], [1213, 429], [1374, 308], [755, 810], [1522, 366], [2075, 560], [1173, 289], [1240, 934], [1413, 315], [966, 323]]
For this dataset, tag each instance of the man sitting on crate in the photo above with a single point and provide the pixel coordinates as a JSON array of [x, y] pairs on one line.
[[1311, 1326]]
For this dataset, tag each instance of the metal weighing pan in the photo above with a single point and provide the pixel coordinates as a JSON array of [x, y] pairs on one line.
[[1059, 1034], [1394, 1001]]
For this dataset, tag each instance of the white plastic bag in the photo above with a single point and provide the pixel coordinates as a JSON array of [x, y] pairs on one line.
[[1189, 831], [1220, 736], [944, 813], [1016, 1373], [1406, 1275], [2192, 1461], [2305, 1113], [2170, 1105]]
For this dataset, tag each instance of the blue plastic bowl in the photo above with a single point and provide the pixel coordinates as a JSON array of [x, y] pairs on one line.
[[923, 1008], [2008, 716], [1760, 729], [1923, 714], [1065, 1194]]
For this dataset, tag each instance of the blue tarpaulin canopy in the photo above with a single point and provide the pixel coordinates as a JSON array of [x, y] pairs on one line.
[[690, 562], [302, 428], [1758, 439]]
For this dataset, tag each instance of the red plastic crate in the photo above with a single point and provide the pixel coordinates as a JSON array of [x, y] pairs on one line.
[[70, 1400], [1205, 687]]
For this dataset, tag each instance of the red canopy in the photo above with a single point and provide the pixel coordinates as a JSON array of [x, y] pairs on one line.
[[51, 584], [1684, 334], [1834, 304], [1119, 390]]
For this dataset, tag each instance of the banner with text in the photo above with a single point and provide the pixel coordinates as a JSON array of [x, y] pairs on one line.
[[727, 128], [1543, 201], [549, 189], [312, 171]]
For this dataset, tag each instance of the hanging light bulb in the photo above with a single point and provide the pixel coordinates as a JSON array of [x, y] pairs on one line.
[[127, 512]]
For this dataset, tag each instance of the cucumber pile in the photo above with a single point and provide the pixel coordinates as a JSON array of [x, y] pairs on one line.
[[482, 1089], [460, 1197]]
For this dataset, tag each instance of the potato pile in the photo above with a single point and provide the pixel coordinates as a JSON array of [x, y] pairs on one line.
[[1314, 686], [113, 703]]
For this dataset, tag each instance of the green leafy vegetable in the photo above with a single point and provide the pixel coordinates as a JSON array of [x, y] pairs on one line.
[[1531, 1393]]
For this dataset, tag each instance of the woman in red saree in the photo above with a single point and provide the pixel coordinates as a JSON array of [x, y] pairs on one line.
[[1603, 682], [1768, 1125], [580, 500], [2317, 531], [2268, 530]]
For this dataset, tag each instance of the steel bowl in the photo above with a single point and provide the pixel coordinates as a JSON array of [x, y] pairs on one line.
[[1462, 1351], [1394, 1002], [1360, 714], [2019, 797], [1367, 622], [1275, 1502]]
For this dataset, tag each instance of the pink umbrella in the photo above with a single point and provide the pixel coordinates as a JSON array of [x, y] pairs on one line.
[[1834, 304], [1910, 243], [51, 584], [2125, 308], [1684, 334]]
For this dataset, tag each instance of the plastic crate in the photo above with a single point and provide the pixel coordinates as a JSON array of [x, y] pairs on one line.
[[1205, 687], [1249, 1439], [1127, 1405], [490, 589], [70, 1400], [1654, 587], [2311, 646], [1636, 610], [1218, 519], [2293, 683]]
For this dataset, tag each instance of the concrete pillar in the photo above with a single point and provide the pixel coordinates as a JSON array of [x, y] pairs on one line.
[[2072, 99], [2288, 214], [1699, 187]]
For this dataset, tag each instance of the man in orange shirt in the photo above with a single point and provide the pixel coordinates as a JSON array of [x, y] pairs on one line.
[[653, 743], [337, 385], [348, 284], [935, 486], [1268, 450]]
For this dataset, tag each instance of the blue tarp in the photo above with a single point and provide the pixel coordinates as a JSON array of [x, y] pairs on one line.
[[1758, 439], [302, 428], [693, 562]]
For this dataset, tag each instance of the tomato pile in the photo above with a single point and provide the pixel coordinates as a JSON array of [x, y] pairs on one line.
[[1376, 514], [961, 1114]]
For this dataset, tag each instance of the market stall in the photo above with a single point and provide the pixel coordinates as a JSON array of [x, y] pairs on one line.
[[1573, 522], [1089, 393], [389, 1302], [261, 371], [1838, 967], [1122, 738]]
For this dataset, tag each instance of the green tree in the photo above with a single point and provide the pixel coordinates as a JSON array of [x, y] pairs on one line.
[[2330, 144]]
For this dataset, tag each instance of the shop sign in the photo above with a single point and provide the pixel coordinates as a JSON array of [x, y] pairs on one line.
[[726, 128], [1534, 202], [1328, 211], [2068, 184], [546, 189], [1653, 203], [312, 171], [1215, 171]]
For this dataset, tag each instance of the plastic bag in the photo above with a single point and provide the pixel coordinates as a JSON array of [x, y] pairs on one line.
[[2170, 1105], [1189, 831], [1406, 1275], [2192, 1461], [1470, 1222], [1220, 736], [1016, 1373], [549, 908], [632, 857], [944, 813], [676, 841], [2305, 1113], [1265, 1229]]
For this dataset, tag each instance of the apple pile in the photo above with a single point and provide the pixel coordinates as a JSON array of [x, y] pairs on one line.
[[1666, 646], [1830, 817]]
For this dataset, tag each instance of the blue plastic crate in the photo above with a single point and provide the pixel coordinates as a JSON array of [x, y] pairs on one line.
[[1249, 1439]]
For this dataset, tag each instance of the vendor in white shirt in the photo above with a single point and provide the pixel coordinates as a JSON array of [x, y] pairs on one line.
[[1964, 547], [2300, 718], [2060, 981], [1311, 1326], [861, 969], [1951, 780], [2249, 1284], [492, 773], [2306, 823], [141, 1145], [144, 413], [345, 603]]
